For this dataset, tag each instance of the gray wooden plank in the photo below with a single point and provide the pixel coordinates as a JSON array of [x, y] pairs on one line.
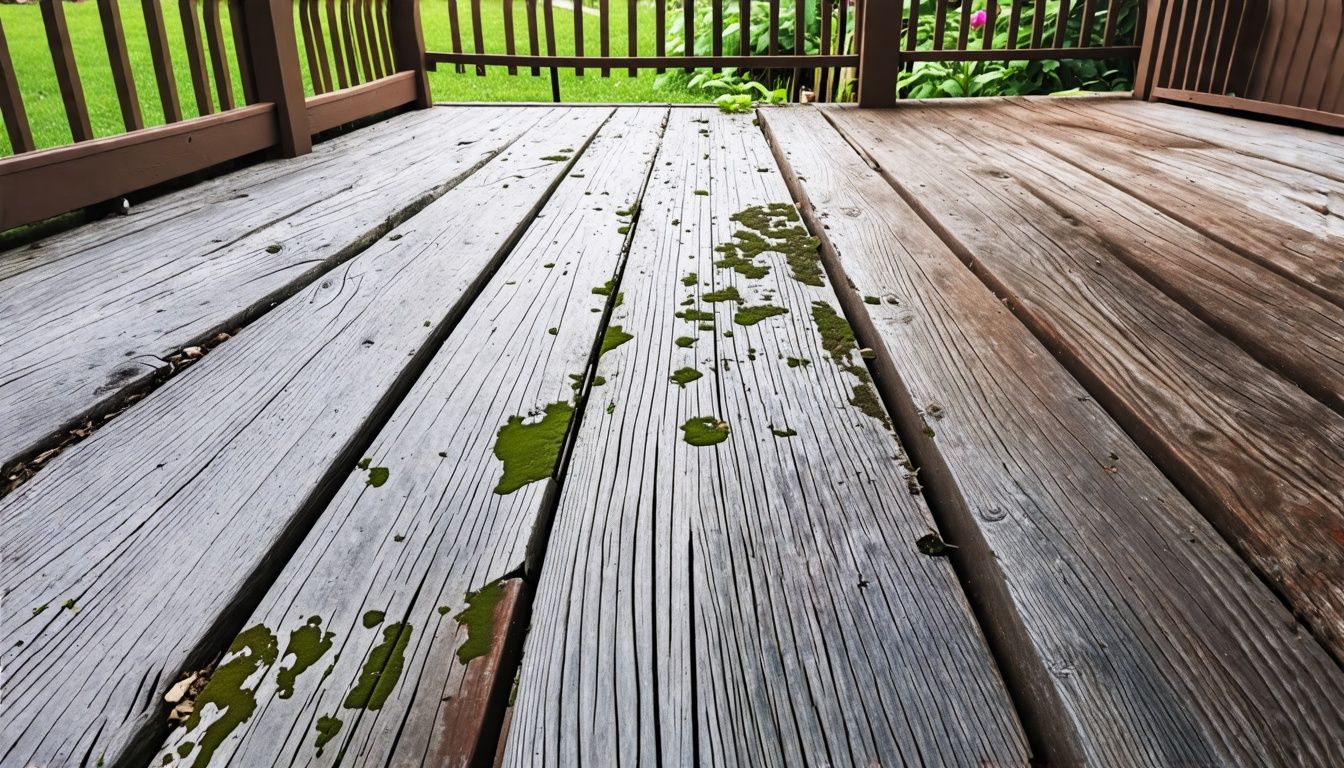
[[1162, 645], [94, 314], [439, 528], [761, 600], [134, 556]]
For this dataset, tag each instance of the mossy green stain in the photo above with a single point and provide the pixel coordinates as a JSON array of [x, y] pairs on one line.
[[605, 288], [39, 609], [723, 294], [253, 649], [754, 315], [614, 337], [185, 748], [306, 644], [327, 727], [530, 451], [682, 341], [866, 400], [382, 669], [373, 618], [798, 362], [784, 432], [168, 759], [377, 475], [871, 300], [695, 315], [771, 228], [837, 338], [273, 248], [479, 619], [599, 381], [683, 376], [552, 331], [690, 279], [555, 158], [702, 192], [704, 430]]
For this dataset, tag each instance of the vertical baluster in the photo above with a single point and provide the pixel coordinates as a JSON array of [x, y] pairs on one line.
[[1089, 20], [200, 77], [382, 9], [688, 26], [240, 49], [1061, 23], [1213, 44], [578, 33], [799, 14], [67, 73], [773, 48], [508, 34], [1038, 24], [219, 57], [163, 61], [716, 27], [323, 73], [964, 25], [371, 38], [991, 24], [841, 47], [348, 44], [939, 24], [455, 32], [604, 31], [824, 78], [1112, 16], [309, 46], [11, 102], [1014, 24], [660, 30], [114, 38], [549, 13], [478, 33], [357, 21], [632, 32], [533, 43], [337, 56]]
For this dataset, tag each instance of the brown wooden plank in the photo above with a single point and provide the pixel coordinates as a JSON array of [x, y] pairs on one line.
[[199, 262], [294, 400], [219, 56], [650, 62], [737, 599], [191, 36], [1237, 439], [123, 79], [1159, 641], [67, 72], [356, 103], [11, 102], [442, 534]]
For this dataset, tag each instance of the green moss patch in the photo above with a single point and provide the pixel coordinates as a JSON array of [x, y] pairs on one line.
[[479, 619], [705, 430], [377, 475], [683, 376], [255, 648], [724, 294], [382, 669], [530, 451], [837, 337], [682, 341], [605, 288], [307, 645], [784, 432], [695, 315], [771, 228], [373, 619], [798, 362], [690, 280], [754, 315], [327, 727], [614, 337]]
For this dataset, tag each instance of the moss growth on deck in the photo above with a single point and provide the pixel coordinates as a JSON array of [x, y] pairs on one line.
[[530, 451], [307, 645], [683, 376], [605, 288], [327, 727], [754, 315], [614, 337], [798, 362], [255, 648], [705, 430], [723, 294], [695, 315], [479, 619], [784, 432], [382, 669], [771, 228], [690, 279], [837, 338], [682, 341], [377, 475], [373, 618]]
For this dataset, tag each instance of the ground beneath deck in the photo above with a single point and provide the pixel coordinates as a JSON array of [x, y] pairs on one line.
[[960, 433]]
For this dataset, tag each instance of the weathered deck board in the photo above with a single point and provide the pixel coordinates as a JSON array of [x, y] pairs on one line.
[[1164, 648], [438, 529], [1284, 218], [758, 601], [92, 315], [164, 528], [1258, 456]]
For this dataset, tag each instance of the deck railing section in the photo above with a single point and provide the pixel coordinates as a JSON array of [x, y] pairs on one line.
[[244, 92], [1278, 57]]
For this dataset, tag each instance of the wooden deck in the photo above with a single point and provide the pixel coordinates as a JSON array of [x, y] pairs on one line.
[[551, 436]]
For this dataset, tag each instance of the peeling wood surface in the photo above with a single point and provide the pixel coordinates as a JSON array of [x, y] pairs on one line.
[[759, 600], [1256, 454], [94, 314], [413, 548], [165, 525], [1161, 643]]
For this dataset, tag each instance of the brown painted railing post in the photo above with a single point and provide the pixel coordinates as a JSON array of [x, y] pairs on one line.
[[879, 52], [274, 58], [1152, 50], [408, 45]]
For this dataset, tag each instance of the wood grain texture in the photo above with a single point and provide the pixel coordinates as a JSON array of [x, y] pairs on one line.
[[1164, 647], [437, 530], [734, 603], [1256, 454], [93, 314], [164, 527]]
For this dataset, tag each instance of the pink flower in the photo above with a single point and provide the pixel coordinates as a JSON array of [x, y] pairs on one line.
[[978, 19]]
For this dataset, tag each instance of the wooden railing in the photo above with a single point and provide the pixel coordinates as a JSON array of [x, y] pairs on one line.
[[1277, 57], [363, 57]]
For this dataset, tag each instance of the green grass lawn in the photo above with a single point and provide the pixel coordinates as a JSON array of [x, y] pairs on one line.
[[46, 112]]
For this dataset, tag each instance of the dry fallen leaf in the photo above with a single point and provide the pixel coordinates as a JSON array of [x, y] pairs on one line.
[[179, 689]]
